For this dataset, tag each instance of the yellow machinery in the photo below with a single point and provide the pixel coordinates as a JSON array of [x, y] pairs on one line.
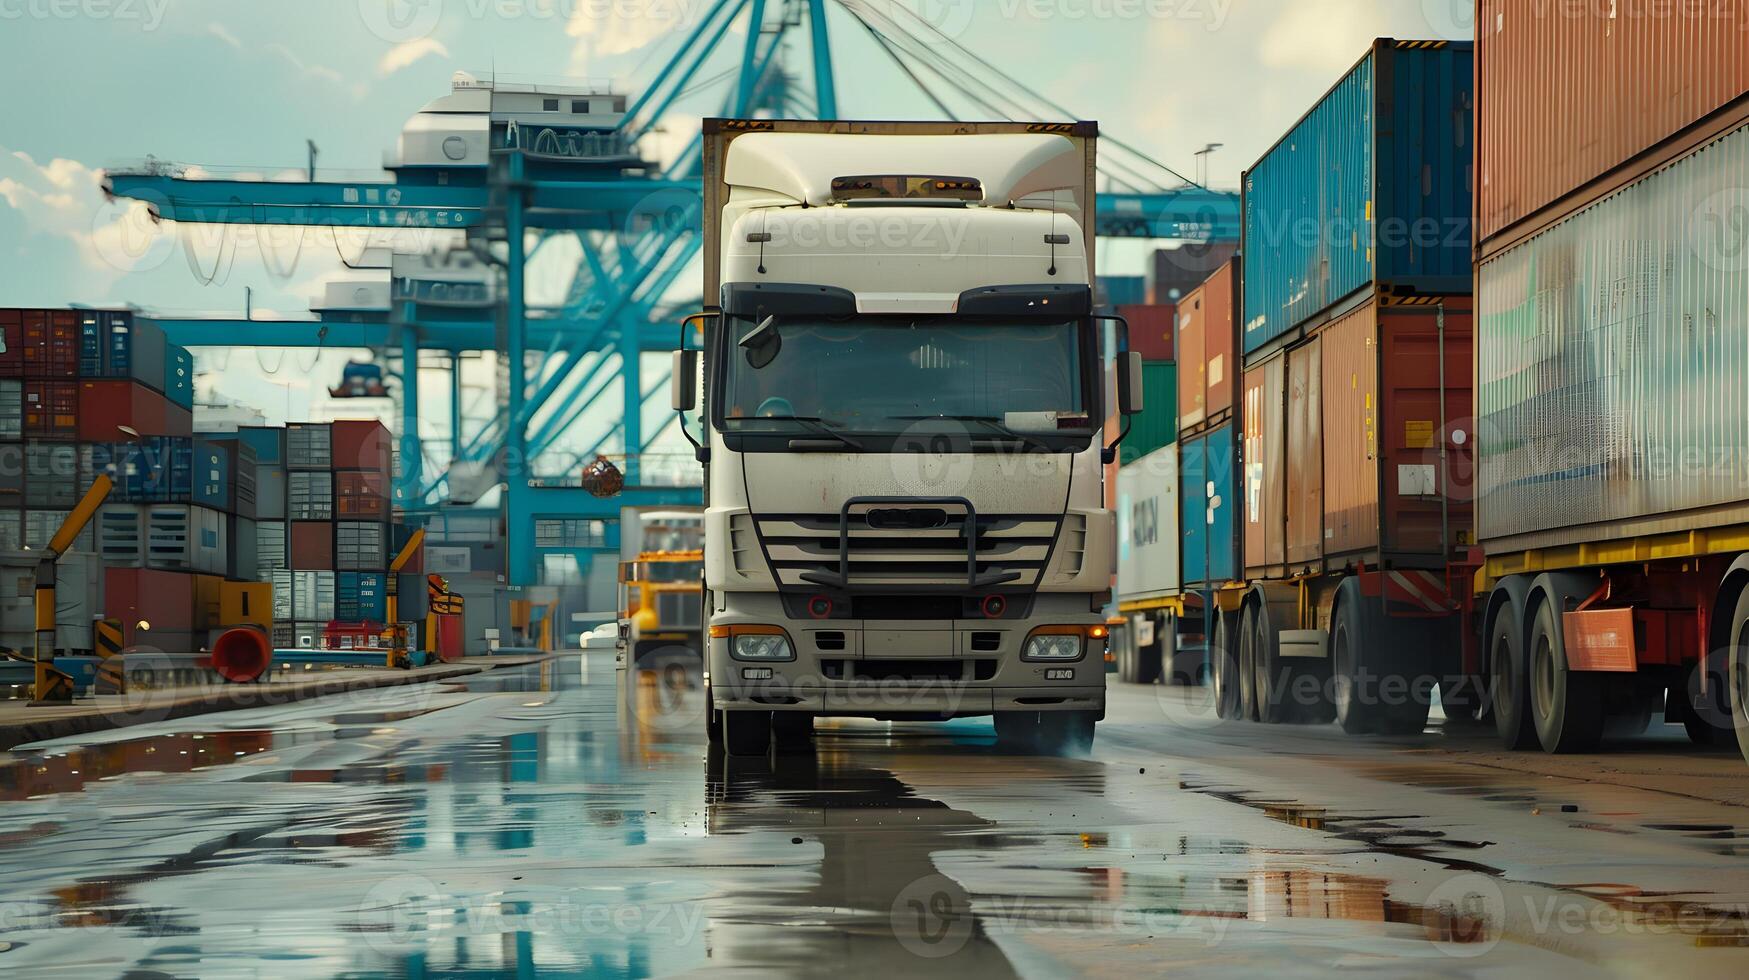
[[662, 596], [53, 686]]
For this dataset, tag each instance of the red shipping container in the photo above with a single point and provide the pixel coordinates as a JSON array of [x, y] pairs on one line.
[[163, 601], [360, 445], [50, 344], [1565, 96], [51, 410], [12, 332], [178, 421], [1151, 329], [449, 637], [312, 546], [1207, 330], [361, 494], [106, 406]]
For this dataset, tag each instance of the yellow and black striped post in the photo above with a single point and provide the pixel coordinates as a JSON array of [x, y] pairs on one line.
[[51, 686], [111, 674]]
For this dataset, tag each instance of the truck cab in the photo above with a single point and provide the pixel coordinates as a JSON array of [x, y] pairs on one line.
[[904, 423]]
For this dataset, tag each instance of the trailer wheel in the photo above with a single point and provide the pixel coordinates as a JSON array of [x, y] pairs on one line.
[[1461, 699], [1123, 642], [1271, 682], [1738, 668], [1247, 663], [1567, 705], [1172, 668], [1629, 704], [1510, 674], [1223, 669], [1371, 693], [746, 733]]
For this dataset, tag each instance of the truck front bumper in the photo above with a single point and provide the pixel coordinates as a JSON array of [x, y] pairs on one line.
[[905, 670]]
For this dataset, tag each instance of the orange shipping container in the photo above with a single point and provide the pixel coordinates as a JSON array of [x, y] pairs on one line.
[[1569, 95], [1207, 330], [1343, 436]]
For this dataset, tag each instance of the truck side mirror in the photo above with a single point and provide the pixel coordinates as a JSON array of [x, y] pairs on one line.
[[1129, 383], [685, 381]]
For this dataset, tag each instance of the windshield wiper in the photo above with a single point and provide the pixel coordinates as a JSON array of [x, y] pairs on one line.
[[995, 424], [816, 424]]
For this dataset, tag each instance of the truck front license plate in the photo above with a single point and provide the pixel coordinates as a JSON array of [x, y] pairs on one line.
[[1060, 674]]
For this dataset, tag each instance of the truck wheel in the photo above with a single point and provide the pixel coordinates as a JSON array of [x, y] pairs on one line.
[[1737, 684], [1460, 698], [713, 719], [1269, 680], [746, 733], [1067, 732], [792, 727], [1510, 674], [1247, 640], [1567, 705], [1372, 692], [1121, 646], [1223, 669], [1173, 666], [1629, 704], [1017, 730]]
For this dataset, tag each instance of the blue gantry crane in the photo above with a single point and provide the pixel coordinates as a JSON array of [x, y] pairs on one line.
[[517, 167]]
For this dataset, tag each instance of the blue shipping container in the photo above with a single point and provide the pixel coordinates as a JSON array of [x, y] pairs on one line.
[[1207, 471], [267, 441], [212, 475], [1371, 186], [91, 344], [361, 597], [179, 376], [1123, 290], [113, 344], [155, 470]]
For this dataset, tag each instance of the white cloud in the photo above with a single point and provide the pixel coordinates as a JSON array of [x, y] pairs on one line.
[[604, 30], [1319, 35], [402, 55], [320, 72], [219, 31], [64, 198]]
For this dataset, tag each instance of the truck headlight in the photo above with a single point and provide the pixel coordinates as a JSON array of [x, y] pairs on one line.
[[1053, 646], [762, 646]]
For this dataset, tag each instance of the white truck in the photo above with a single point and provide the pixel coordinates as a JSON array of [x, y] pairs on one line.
[[905, 428]]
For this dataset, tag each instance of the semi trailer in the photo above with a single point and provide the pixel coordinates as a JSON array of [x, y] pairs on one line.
[[904, 427]]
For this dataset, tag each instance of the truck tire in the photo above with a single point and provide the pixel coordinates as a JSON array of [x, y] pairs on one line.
[[713, 719], [1067, 732], [1737, 667], [746, 733], [1123, 643], [1566, 705], [792, 727], [1223, 669], [1460, 698], [1509, 674], [1247, 642], [1629, 704], [1018, 730], [1372, 692], [1270, 681]]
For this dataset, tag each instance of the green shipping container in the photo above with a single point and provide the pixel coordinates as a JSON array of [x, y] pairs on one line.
[[1158, 423]]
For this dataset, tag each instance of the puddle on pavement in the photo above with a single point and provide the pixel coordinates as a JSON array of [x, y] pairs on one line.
[[27, 775]]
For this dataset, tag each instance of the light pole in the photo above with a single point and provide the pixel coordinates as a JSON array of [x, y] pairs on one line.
[[1202, 163]]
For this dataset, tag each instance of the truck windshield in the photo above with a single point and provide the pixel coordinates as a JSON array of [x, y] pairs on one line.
[[882, 374]]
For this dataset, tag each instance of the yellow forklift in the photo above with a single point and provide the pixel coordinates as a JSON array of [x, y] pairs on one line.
[[662, 592]]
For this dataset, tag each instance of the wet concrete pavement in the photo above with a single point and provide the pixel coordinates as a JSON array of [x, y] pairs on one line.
[[506, 825]]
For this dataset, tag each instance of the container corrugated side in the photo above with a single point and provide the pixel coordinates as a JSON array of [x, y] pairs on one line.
[[1613, 354], [1371, 186], [1570, 92], [1158, 423], [1147, 527], [1265, 428], [1207, 471]]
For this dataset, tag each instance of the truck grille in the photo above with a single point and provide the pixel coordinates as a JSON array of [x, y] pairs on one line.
[[899, 547]]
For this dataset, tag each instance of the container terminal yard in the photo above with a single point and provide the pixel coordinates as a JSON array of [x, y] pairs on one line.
[[874, 487]]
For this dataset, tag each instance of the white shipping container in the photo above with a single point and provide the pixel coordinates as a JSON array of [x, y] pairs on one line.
[[270, 546], [185, 538], [313, 596], [1147, 527], [78, 585], [121, 537]]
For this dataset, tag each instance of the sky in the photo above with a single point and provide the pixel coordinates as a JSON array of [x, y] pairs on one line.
[[95, 83]]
